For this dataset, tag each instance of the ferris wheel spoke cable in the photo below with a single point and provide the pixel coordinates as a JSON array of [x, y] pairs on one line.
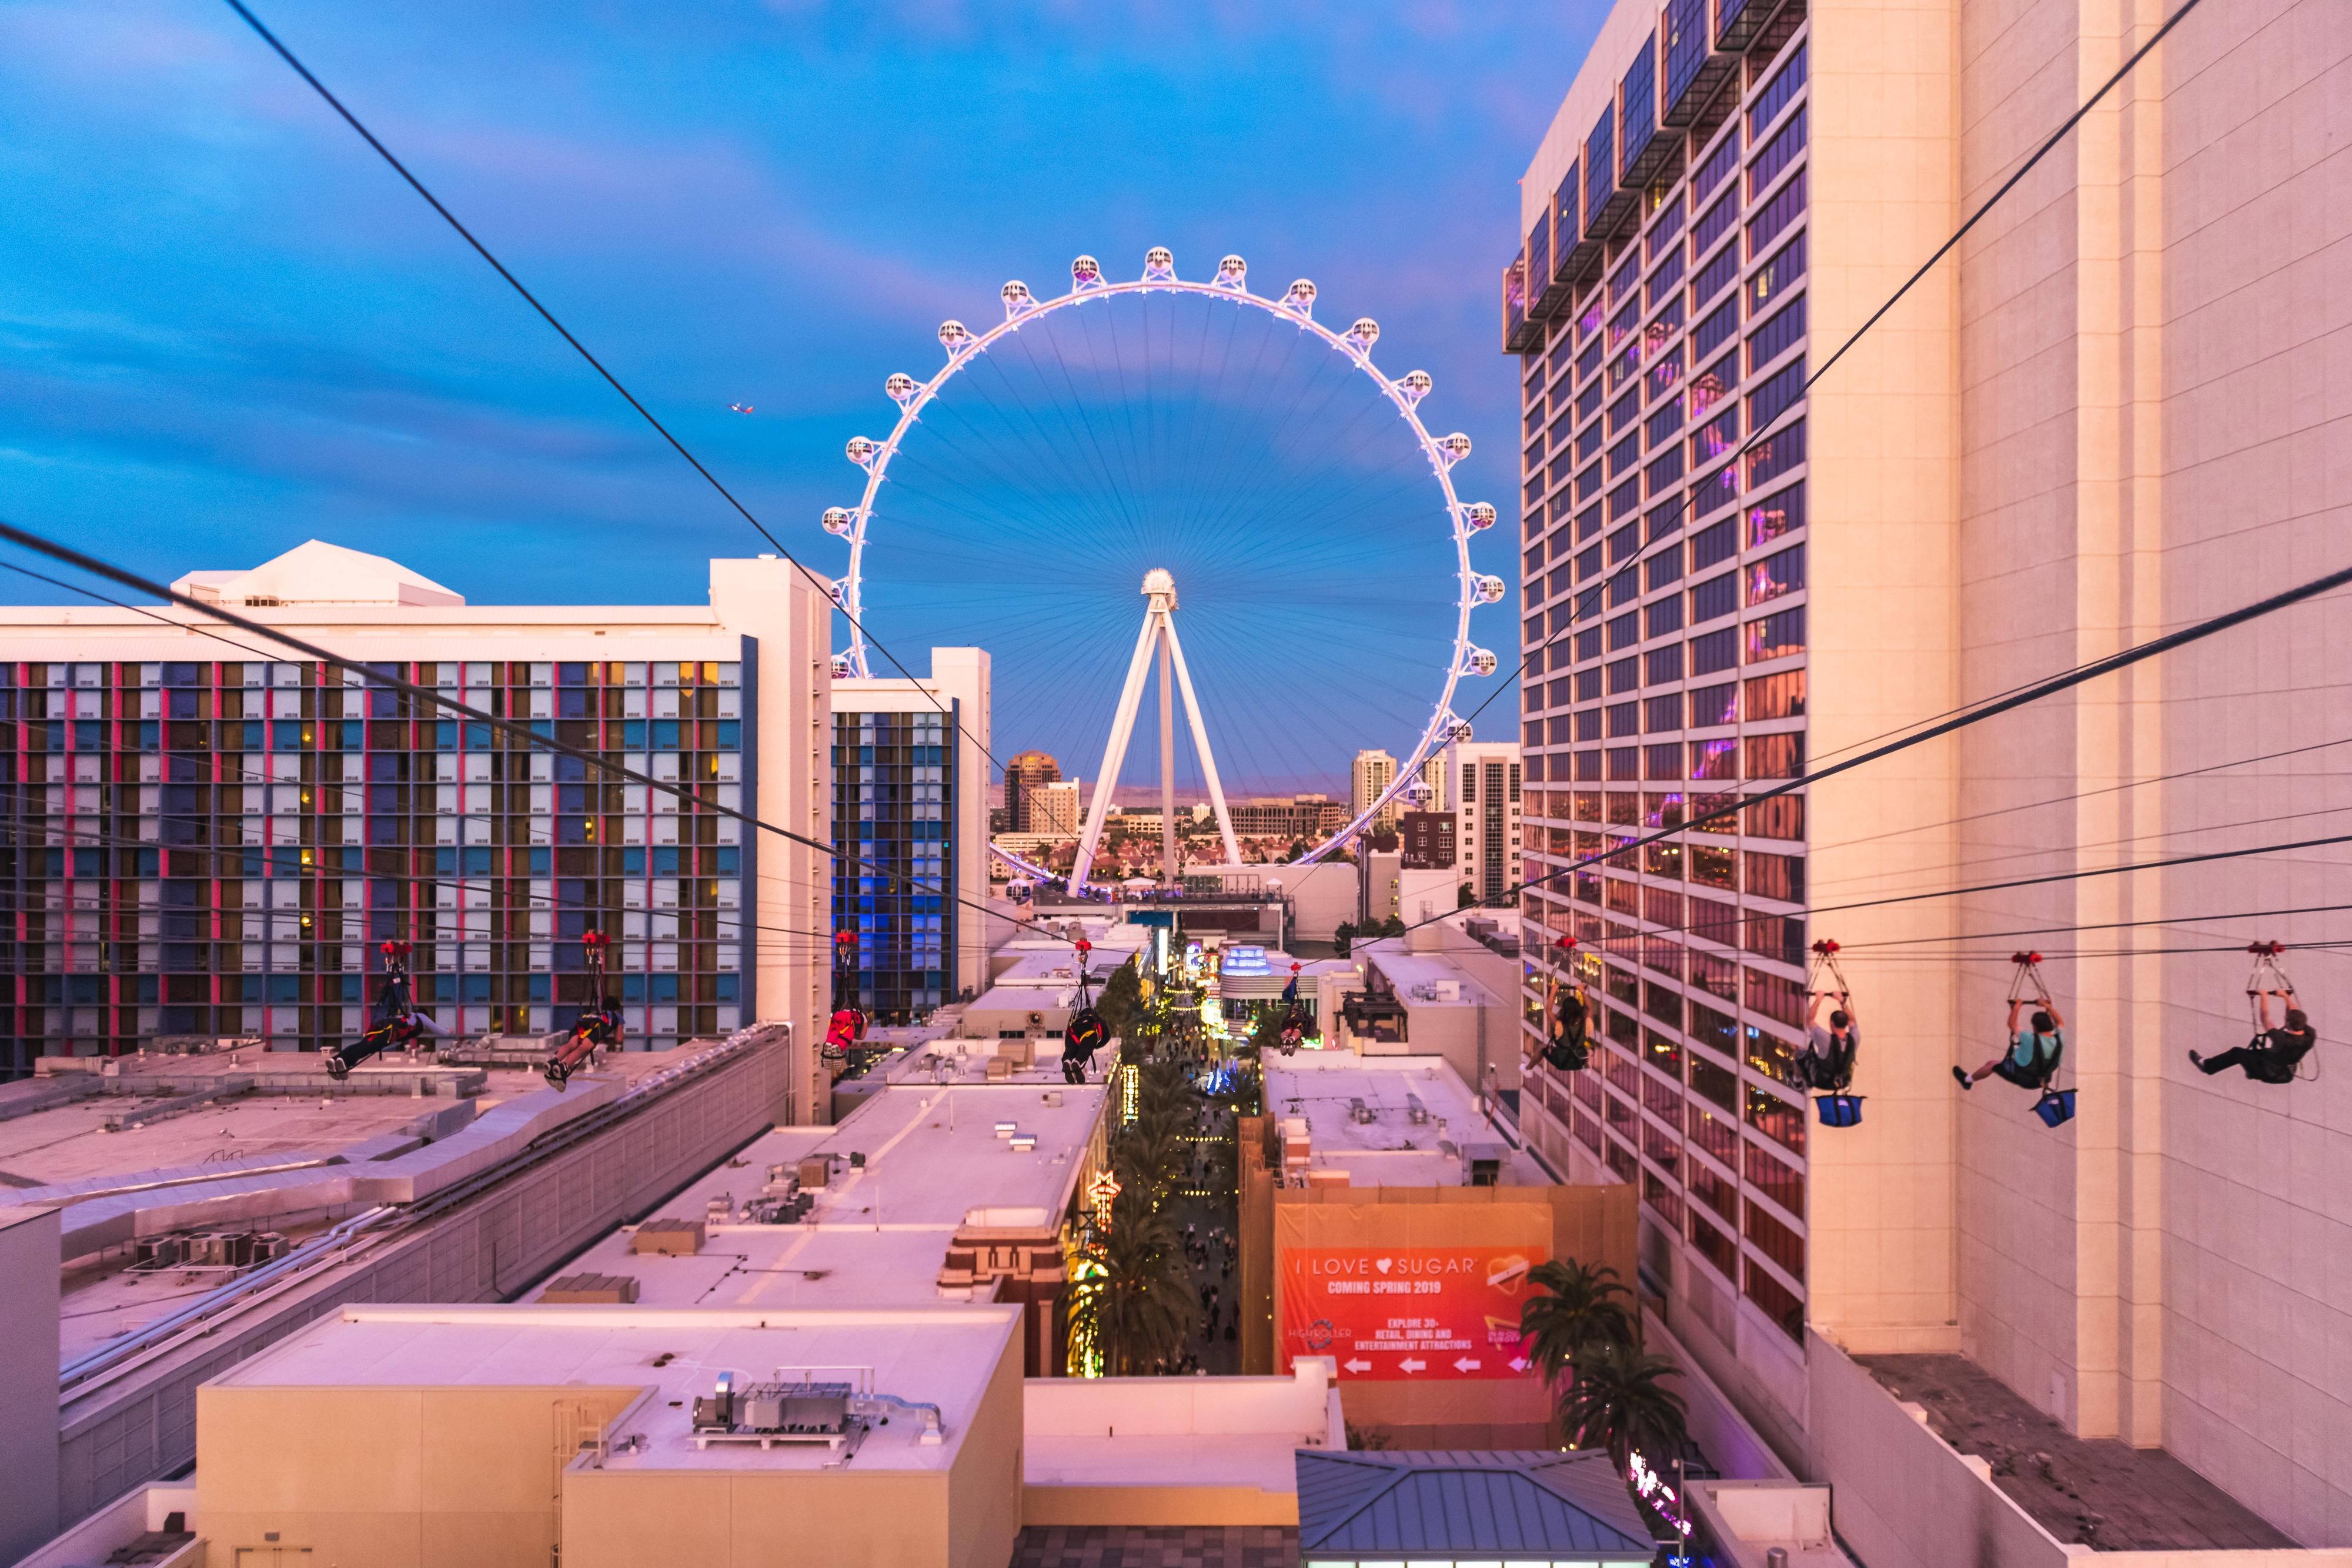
[[1062, 447], [1085, 424]]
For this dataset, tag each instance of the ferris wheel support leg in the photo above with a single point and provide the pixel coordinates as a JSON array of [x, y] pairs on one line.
[[1201, 743], [1122, 725]]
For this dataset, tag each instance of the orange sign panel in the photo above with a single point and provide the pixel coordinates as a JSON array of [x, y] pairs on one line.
[[1407, 1312]]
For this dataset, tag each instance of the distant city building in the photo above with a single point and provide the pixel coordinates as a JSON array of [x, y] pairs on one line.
[[1026, 773], [1372, 773], [1435, 781], [1306, 817], [236, 834], [1426, 840], [910, 763], [1052, 808], [1487, 774]]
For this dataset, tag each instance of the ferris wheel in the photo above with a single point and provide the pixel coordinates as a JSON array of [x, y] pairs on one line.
[[1425, 518]]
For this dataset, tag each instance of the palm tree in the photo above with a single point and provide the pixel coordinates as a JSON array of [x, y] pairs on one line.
[[1619, 1402], [1137, 1307], [1577, 1309]]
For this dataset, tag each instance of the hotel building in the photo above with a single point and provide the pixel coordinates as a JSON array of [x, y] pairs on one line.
[[209, 838], [2114, 409], [911, 768]]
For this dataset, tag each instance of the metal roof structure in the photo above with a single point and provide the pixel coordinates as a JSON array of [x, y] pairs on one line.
[[1442, 1503]]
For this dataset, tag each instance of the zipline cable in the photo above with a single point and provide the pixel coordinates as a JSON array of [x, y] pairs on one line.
[[595, 364], [127, 579], [2195, 632], [1581, 606]]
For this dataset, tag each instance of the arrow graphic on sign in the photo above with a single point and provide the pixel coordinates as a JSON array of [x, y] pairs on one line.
[[1518, 1363], [1358, 1365], [1465, 1364], [1410, 1365]]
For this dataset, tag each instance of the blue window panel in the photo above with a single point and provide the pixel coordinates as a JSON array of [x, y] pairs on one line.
[[1686, 44], [1600, 165], [1639, 94]]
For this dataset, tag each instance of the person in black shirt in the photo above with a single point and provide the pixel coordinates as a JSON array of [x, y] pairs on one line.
[[2271, 1055], [1827, 1060], [1571, 1018]]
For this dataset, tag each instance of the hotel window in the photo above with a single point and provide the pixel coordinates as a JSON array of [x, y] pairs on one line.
[[1777, 1119], [1626, 587], [1663, 616], [1662, 281], [1775, 216], [1714, 1083], [1715, 867], [1623, 456], [1661, 569], [1782, 938], [1715, 1192], [1661, 664], [1662, 714], [1782, 1183], [1717, 167], [1624, 719], [1624, 412], [1775, 997], [1718, 596], [1777, 636], [1774, 1300], [1625, 630], [1713, 706], [1715, 650], [1587, 684], [1715, 223], [1777, 1241], [1781, 817], [1624, 675], [1774, 277], [1772, 399], [1715, 1247], [1781, 877], [1775, 97], [1775, 575], [1719, 977], [1786, 143], [1717, 542], [1716, 328], [1776, 515], [1714, 275], [1587, 401], [1773, 340]]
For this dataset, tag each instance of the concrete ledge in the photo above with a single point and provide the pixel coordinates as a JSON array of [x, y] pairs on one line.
[[1142, 1503]]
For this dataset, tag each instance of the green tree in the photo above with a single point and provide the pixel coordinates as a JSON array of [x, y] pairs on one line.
[[1463, 898], [1578, 1308], [1140, 1309], [1121, 1001], [1619, 1402], [1343, 936], [1393, 927]]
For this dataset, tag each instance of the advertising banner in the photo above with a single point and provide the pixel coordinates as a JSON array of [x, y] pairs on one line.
[[1407, 1312]]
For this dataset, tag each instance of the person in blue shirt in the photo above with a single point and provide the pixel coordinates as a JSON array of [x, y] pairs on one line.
[[2032, 1056]]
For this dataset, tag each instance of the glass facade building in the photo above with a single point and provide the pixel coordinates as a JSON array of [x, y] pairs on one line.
[[895, 791], [219, 848], [1660, 317]]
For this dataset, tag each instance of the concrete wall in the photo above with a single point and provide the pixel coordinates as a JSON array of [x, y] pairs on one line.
[[1322, 896], [391, 1477], [789, 617], [29, 1379], [121, 1433]]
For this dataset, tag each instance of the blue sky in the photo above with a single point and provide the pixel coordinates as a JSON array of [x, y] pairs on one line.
[[226, 328]]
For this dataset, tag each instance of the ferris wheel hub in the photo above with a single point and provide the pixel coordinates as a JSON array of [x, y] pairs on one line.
[[1158, 583]]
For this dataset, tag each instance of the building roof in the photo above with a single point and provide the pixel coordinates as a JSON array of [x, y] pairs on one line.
[[878, 1230], [1392, 1148], [316, 572], [941, 1355], [1447, 1502]]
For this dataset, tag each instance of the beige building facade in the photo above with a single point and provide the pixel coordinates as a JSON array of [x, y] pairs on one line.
[[2117, 408]]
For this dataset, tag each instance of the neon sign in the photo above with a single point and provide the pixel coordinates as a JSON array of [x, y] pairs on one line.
[[1651, 1488]]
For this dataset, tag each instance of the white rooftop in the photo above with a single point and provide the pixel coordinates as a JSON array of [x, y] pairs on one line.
[[935, 1356], [1391, 1149], [316, 572], [878, 1233]]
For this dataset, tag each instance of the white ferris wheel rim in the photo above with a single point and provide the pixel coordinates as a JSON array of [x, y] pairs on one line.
[[965, 348]]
